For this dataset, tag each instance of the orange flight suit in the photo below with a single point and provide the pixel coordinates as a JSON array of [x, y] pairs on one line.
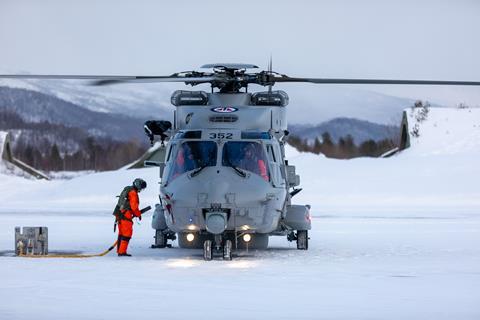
[[125, 226], [263, 169]]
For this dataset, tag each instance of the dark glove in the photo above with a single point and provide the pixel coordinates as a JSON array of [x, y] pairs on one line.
[[140, 218]]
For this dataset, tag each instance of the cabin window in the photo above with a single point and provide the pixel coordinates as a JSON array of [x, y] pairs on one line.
[[192, 155], [246, 155]]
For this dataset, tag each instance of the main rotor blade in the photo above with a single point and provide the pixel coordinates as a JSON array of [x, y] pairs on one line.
[[375, 81], [100, 80], [154, 79], [62, 77]]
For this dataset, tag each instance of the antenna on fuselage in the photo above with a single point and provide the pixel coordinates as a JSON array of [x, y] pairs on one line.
[[270, 70]]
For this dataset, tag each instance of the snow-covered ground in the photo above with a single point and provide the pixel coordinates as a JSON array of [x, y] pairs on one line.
[[356, 268], [392, 238]]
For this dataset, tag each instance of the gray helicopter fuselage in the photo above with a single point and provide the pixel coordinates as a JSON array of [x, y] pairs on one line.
[[225, 169]]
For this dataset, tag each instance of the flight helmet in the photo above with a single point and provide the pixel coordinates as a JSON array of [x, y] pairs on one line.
[[139, 184]]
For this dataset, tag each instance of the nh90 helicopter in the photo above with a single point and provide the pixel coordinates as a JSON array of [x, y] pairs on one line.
[[225, 180]]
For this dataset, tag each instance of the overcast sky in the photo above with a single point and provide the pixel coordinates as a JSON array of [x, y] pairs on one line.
[[367, 39]]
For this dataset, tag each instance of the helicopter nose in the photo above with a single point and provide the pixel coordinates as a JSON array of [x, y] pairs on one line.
[[218, 187]]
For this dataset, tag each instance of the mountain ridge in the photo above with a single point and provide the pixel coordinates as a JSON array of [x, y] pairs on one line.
[[35, 107], [360, 130]]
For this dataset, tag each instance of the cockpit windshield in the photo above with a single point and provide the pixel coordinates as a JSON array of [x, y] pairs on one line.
[[246, 155], [193, 155]]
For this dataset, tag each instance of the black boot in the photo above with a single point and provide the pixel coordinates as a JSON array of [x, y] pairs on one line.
[[124, 255]]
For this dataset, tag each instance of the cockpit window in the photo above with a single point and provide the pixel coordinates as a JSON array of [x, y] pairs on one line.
[[189, 134], [255, 135], [246, 155], [192, 155]]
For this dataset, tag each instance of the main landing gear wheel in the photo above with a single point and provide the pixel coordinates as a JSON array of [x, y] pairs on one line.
[[207, 250], [227, 250], [162, 237], [160, 240], [302, 239]]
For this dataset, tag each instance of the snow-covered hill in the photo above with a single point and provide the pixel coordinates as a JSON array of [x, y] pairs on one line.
[[145, 100], [35, 107], [438, 174], [444, 132]]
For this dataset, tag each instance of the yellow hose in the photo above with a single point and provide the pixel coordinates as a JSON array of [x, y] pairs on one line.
[[70, 255]]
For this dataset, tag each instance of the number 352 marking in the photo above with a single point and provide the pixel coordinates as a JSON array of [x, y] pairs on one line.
[[220, 135]]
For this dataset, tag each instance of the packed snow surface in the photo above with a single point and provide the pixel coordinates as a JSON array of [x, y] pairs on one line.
[[392, 238]]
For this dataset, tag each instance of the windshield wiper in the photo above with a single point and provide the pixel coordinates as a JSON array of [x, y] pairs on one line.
[[197, 171], [229, 163], [239, 171]]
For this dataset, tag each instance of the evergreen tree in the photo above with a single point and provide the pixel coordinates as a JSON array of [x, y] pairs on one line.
[[328, 148], [317, 146], [368, 148], [55, 160], [350, 147]]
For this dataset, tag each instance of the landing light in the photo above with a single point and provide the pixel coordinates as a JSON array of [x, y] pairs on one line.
[[190, 237], [247, 237], [191, 227]]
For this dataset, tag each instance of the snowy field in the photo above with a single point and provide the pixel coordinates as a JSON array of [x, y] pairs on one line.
[[356, 268], [392, 238]]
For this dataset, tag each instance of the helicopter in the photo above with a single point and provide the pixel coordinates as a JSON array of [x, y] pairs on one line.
[[225, 182]]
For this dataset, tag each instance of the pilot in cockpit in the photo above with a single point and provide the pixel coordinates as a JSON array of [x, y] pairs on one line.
[[253, 160], [184, 161]]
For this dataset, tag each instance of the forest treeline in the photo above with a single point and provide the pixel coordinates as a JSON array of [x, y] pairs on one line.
[[55, 147], [344, 148]]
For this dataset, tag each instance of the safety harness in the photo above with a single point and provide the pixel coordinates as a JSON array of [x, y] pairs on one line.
[[123, 205]]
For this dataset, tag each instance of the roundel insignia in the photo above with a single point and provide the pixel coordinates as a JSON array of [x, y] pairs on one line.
[[224, 109]]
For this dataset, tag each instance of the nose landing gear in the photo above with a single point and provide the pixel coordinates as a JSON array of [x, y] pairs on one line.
[[221, 246]]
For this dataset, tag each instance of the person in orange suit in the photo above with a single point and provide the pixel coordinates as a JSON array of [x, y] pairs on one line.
[[130, 210]]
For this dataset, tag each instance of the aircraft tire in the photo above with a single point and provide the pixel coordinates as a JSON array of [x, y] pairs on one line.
[[227, 250], [207, 250], [302, 239], [160, 239]]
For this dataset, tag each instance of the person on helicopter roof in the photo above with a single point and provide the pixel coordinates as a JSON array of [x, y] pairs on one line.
[[128, 209]]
